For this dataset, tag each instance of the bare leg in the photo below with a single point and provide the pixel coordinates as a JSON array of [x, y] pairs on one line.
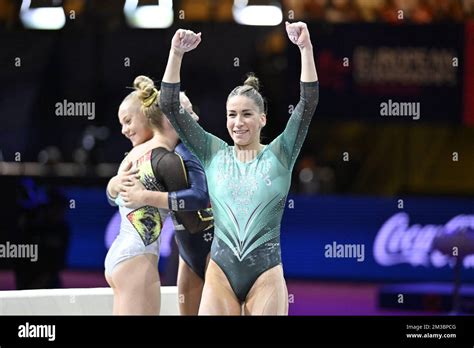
[[268, 295], [218, 298], [189, 289], [116, 295], [137, 285]]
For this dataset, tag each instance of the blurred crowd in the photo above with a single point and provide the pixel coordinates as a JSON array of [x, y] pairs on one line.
[[334, 11], [387, 11]]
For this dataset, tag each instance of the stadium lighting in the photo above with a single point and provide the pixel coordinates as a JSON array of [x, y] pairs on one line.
[[48, 15], [149, 15], [257, 14]]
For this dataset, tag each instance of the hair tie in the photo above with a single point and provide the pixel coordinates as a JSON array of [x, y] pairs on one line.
[[151, 98]]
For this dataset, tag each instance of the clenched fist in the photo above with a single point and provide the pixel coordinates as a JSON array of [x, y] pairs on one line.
[[185, 40], [298, 34]]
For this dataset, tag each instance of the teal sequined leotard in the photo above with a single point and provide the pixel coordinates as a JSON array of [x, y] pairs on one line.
[[248, 199]]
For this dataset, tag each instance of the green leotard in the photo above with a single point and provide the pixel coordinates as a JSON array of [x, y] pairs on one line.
[[248, 199]]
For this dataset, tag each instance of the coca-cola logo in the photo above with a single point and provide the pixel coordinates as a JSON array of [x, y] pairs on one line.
[[397, 242]]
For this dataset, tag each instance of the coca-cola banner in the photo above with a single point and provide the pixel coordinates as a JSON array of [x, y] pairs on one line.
[[381, 73], [399, 239]]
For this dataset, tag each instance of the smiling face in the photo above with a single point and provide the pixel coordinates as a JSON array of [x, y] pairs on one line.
[[135, 126], [244, 121]]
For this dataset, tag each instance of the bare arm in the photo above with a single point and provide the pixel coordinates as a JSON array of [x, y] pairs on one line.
[[183, 41], [298, 34], [125, 175]]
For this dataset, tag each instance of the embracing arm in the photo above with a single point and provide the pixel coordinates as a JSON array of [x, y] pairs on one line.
[[112, 191], [171, 172], [194, 197], [125, 175], [182, 177]]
